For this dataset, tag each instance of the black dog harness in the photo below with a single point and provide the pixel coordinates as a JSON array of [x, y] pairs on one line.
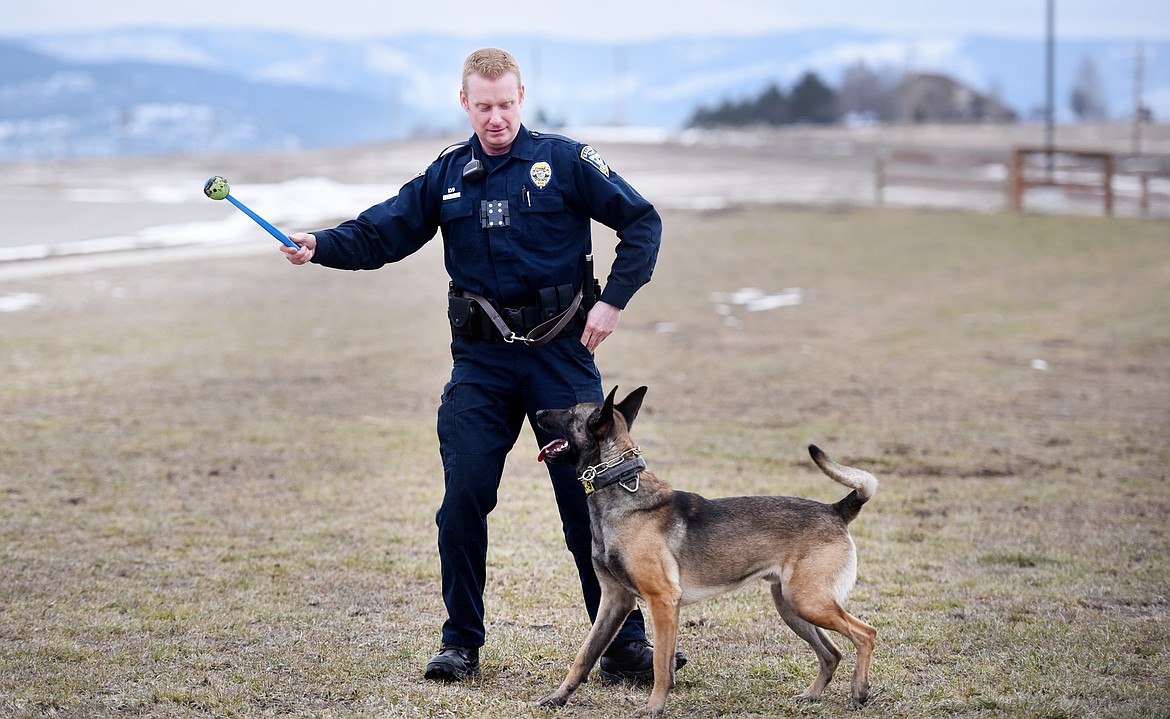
[[624, 471]]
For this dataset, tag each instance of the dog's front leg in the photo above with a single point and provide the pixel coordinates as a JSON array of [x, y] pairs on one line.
[[616, 604], [664, 612]]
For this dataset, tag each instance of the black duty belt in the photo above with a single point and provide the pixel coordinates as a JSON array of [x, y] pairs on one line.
[[472, 315]]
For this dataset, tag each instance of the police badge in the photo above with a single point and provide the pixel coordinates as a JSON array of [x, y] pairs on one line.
[[541, 174], [588, 154]]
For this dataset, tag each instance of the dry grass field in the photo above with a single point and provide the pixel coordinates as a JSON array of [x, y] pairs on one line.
[[218, 477]]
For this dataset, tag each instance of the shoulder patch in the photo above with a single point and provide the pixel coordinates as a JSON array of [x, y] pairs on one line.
[[588, 154]]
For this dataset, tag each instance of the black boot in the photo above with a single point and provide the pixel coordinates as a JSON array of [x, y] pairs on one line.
[[633, 661], [453, 663]]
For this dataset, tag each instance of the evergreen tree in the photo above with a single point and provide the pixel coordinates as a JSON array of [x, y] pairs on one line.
[[813, 101]]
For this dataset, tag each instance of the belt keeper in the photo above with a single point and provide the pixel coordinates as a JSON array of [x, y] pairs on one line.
[[549, 303]]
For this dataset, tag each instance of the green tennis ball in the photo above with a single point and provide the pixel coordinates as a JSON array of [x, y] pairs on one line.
[[216, 188]]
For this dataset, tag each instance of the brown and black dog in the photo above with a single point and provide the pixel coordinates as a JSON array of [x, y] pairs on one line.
[[672, 548]]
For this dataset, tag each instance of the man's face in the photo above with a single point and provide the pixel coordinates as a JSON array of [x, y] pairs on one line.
[[494, 109]]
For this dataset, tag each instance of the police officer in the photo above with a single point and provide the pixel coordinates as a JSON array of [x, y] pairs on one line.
[[515, 208]]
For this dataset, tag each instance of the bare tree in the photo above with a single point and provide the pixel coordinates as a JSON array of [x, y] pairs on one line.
[[1088, 99], [860, 90], [867, 93]]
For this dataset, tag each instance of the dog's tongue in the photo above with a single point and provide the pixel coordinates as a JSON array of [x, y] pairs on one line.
[[553, 447]]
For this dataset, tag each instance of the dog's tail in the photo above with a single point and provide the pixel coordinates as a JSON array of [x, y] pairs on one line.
[[863, 483]]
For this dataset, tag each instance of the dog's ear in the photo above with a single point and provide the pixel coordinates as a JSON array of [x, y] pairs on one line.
[[601, 421], [631, 404]]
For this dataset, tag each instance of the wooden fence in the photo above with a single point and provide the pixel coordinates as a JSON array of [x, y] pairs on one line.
[[1098, 176], [1075, 171], [935, 170]]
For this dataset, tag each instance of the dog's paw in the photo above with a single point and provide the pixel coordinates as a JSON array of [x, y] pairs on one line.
[[552, 701], [649, 711], [807, 698]]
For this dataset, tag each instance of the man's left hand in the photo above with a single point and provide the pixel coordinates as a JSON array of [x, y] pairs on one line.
[[601, 322]]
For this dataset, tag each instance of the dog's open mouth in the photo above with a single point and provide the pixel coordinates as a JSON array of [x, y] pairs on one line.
[[554, 451]]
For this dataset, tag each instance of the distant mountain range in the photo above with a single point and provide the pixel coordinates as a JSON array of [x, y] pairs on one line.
[[164, 91]]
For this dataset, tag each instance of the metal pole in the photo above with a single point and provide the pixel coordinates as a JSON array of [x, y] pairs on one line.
[[1138, 104], [1050, 114], [619, 73]]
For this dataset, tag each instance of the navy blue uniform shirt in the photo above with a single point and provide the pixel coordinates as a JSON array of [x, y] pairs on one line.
[[552, 185]]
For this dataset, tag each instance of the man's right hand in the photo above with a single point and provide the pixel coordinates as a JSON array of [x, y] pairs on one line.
[[308, 246]]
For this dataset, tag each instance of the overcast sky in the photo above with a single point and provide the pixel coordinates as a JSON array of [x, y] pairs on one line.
[[599, 20]]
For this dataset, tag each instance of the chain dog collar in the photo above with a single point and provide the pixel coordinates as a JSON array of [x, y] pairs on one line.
[[623, 470]]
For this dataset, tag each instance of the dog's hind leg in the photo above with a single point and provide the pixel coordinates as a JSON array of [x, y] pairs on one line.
[[616, 604], [828, 655], [821, 609], [864, 638]]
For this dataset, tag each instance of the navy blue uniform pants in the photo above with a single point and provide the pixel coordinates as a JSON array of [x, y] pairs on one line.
[[493, 387]]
